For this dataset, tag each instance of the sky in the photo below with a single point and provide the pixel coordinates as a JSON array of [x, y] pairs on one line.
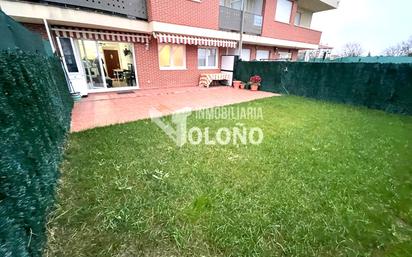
[[375, 24]]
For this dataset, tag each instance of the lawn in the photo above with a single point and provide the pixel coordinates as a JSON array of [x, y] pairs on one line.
[[328, 180]]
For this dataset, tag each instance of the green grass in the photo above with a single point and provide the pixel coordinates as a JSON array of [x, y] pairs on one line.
[[328, 180]]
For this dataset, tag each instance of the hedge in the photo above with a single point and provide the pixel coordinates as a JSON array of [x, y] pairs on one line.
[[35, 110], [384, 86]]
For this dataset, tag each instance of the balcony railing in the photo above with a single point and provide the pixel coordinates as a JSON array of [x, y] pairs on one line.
[[130, 8], [229, 19]]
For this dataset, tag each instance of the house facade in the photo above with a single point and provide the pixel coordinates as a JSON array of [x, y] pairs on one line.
[[127, 44]]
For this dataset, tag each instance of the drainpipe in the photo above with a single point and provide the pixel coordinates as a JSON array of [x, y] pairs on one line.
[[242, 23], [46, 25]]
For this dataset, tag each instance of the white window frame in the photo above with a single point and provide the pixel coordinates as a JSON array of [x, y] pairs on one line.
[[260, 51], [171, 54], [277, 9], [233, 2], [299, 15], [216, 59], [249, 53], [285, 55]]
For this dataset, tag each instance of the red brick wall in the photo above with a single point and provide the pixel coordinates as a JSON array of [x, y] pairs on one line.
[[38, 28], [150, 75], [203, 14], [279, 30]]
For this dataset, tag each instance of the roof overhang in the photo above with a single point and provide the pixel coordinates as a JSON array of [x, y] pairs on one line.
[[318, 5], [35, 13]]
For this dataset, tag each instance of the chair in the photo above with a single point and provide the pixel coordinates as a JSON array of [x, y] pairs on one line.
[[129, 75]]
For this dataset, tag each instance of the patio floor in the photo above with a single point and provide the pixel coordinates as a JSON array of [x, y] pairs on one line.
[[102, 109]]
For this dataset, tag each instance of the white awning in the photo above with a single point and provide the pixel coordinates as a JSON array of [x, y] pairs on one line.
[[192, 40], [101, 35]]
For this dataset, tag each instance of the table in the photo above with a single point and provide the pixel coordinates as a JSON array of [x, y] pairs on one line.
[[206, 79]]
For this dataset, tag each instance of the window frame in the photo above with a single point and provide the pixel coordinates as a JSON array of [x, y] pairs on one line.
[[298, 14], [172, 67], [290, 14], [216, 59], [73, 54], [263, 50], [288, 53], [250, 54], [232, 2]]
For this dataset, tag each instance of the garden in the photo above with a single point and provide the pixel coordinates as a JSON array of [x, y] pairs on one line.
[[327, 180]]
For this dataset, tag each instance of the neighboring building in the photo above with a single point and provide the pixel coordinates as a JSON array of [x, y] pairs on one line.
[[323, 52], [119, 44]]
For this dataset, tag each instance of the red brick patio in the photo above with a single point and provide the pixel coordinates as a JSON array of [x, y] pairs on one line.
[[104, 109]]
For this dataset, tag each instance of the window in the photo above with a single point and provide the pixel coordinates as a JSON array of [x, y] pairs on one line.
[[172, 57], [255, 7], [283, 11], [68, 54], [262, 55], [245, 55], [298, 18], [236, 4], [207, 58], [284, 55]]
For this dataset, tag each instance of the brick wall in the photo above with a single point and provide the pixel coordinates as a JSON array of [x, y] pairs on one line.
[[150, 75], [202, 14], [279, 30], [38, 28]]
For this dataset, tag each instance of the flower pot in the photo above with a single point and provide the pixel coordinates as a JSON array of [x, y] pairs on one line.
[[242, 86], [236, 84], [76, 96], [254, 87]]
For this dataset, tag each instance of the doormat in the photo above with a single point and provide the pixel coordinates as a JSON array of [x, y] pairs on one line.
[[125, 92]]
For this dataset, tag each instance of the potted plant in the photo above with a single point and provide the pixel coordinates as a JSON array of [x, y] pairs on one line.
[[242, 85], [255, 82], [236, 84]]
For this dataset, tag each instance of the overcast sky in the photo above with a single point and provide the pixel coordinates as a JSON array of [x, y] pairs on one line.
[[375, 24]]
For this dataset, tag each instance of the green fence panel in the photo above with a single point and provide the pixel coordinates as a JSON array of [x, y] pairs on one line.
[[35, 110], [384, 86], [14, 35], [371, 59]]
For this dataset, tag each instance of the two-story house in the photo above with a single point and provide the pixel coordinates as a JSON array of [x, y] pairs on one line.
[[127, 44]]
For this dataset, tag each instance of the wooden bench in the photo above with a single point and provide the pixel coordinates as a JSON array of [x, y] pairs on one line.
[[206, 79]]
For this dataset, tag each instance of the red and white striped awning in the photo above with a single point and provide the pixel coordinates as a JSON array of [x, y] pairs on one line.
[[101, 35], [192, 40]]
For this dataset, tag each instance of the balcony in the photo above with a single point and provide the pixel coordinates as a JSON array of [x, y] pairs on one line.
[[229, 19], [318, 5], [135, 9]]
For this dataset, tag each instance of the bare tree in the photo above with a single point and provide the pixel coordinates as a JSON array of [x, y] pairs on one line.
[[402, 49], [352, 49]]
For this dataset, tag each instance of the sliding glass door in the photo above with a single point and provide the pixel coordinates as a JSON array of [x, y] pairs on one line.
[[92, 64], [99, 65]]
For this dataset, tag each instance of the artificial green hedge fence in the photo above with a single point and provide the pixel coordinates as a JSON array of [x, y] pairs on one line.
[[35, 110], [383, 86]]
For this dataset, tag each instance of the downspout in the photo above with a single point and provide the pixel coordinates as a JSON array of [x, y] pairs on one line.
[[46, 24], [242, 23]]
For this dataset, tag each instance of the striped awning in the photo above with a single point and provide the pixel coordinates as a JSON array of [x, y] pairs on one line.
[[101, 35], [192, 40]]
